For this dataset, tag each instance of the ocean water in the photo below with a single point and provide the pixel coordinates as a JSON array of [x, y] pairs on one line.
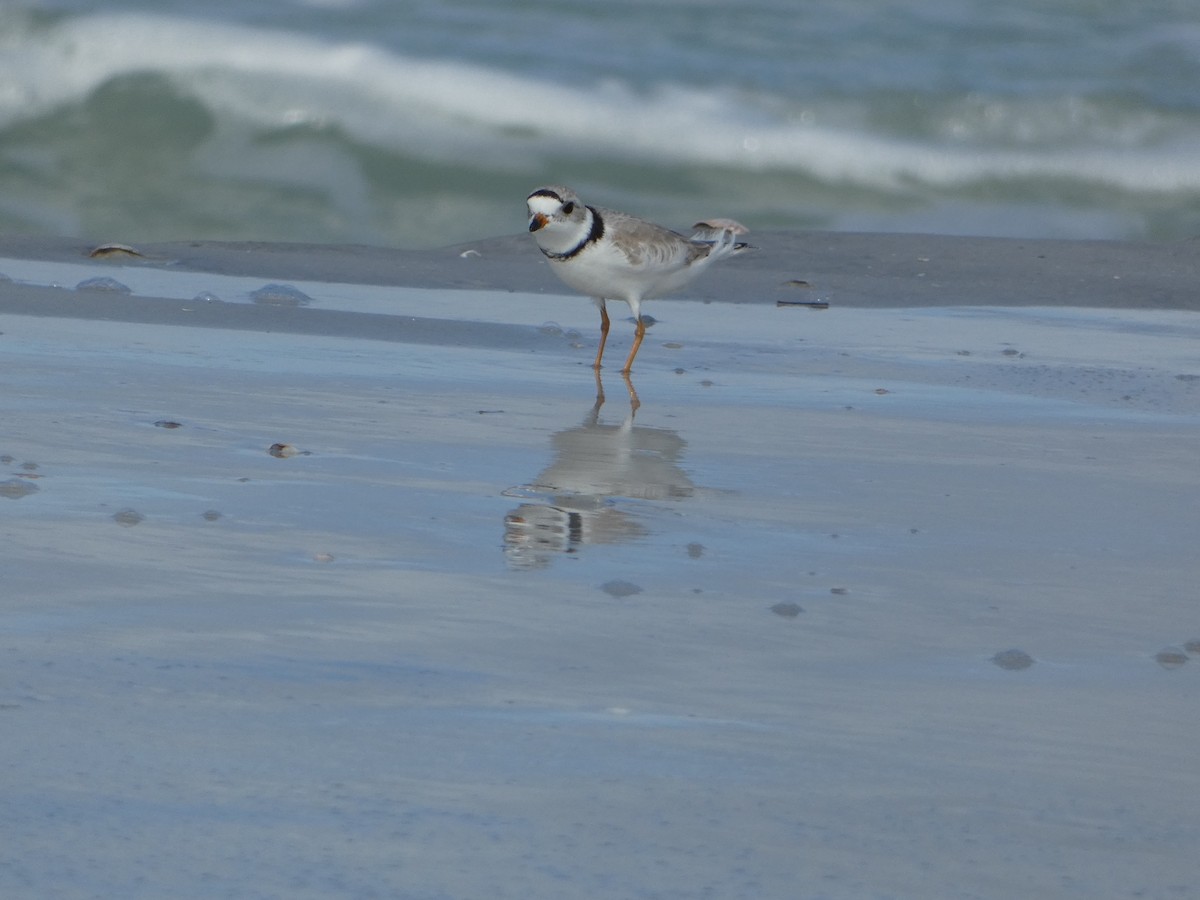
[[427, 122]]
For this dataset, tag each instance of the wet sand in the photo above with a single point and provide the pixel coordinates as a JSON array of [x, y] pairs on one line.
[[873, 270], [895, 598]]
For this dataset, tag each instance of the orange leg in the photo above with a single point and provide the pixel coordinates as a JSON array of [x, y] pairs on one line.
[[638, 334], [603, 334]]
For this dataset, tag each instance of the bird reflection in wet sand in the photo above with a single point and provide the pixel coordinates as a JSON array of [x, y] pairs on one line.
[[570, 504]]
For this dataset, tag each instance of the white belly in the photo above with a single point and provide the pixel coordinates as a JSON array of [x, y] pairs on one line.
[[605, 272]]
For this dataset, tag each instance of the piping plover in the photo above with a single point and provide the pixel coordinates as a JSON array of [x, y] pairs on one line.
[[610, 255]]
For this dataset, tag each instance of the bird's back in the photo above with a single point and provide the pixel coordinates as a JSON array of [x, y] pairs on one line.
[[641, 259]]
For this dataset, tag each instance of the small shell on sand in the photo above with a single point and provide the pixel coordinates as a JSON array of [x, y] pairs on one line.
[[283, 451], [721, 225], [16, 488], [108, 251], [127, 518]]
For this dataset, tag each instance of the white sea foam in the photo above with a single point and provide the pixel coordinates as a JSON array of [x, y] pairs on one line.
[[440, 110]]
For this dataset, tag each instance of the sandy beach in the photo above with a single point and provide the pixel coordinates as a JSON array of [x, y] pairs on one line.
[[327, 575]]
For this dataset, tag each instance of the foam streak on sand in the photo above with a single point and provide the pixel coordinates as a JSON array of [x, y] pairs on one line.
[[298, 606]]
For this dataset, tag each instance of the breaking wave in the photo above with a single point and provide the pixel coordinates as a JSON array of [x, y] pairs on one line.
[[229, 88]]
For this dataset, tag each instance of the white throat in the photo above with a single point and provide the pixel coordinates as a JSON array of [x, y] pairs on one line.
[[562, 237]]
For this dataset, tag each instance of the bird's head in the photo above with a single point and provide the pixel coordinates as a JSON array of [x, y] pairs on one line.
[[556, 209]]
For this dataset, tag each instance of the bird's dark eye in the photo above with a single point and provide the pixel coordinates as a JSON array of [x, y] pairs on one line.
[[568, 208]]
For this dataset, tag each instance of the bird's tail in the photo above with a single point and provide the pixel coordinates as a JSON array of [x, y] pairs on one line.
[[721, 235]]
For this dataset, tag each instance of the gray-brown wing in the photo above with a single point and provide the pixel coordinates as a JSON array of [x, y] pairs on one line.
[[645, 243]]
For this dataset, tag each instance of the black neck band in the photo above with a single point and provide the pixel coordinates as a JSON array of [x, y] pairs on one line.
[[593, 235]]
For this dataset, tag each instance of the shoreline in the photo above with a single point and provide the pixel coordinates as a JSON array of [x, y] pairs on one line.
[[845, 269]]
